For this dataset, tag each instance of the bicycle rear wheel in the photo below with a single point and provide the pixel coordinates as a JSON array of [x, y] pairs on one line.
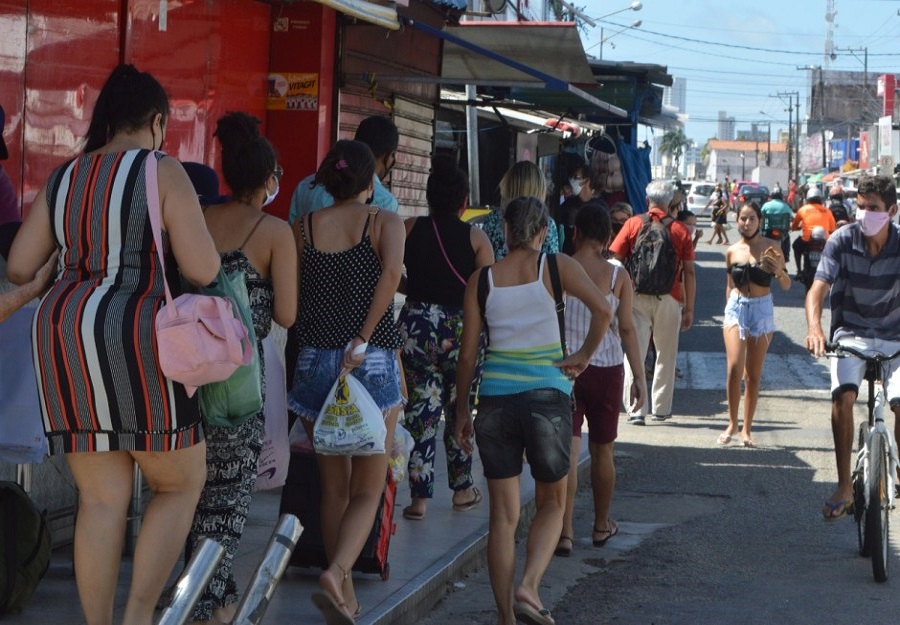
[[877, 514]]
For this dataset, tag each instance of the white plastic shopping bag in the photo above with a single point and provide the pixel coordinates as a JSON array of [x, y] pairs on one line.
[[350, 423], [275, 454]]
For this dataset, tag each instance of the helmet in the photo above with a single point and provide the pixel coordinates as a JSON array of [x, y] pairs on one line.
[[813, 193], [836, 191], [818, 232]]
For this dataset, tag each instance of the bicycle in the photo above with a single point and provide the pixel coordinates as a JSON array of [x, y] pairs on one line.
[[875, 472]]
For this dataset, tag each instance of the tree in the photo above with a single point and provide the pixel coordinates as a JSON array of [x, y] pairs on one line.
[[673, 144]]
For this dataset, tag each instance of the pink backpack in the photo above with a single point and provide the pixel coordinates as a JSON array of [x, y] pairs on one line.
[[199, 337]]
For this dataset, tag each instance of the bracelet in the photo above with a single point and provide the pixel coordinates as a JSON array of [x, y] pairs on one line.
[[360, 336]]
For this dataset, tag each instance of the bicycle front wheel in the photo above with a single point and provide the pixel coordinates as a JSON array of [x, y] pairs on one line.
[[877, 514]]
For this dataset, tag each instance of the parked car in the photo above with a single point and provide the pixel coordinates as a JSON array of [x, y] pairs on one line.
[[753, 192], [698, 198]]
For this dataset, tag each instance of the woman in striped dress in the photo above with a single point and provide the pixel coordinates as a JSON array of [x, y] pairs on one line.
[[105, 402]]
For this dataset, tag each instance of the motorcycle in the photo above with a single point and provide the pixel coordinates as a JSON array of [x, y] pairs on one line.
[[781, 235], [812, 255]]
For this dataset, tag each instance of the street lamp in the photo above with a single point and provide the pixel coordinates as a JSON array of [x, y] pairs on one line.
[[634, 24], [634, 6], [591, 21]]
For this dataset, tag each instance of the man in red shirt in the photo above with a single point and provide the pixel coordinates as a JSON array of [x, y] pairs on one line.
[[661, 316], [810, 215]]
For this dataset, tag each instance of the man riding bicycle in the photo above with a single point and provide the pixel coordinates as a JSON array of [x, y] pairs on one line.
[[861, 267]]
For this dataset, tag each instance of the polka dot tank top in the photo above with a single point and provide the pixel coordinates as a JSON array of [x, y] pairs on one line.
[[336, 290]]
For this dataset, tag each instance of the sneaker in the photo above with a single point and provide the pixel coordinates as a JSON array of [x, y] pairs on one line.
[[660, 417], [636, 420]]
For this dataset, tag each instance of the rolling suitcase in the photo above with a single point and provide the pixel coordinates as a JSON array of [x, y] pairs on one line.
[[301, 496]]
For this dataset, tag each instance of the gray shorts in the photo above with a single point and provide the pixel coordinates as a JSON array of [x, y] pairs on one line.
[[537, 422], [847, 373]]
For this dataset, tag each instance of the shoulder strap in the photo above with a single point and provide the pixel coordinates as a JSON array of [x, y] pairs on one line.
[[373, 210], [483, 288], [309, 223], [151, 179], [556, 283], [252, 230]]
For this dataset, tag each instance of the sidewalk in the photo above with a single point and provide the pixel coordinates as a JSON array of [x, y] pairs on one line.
[[425, 556]]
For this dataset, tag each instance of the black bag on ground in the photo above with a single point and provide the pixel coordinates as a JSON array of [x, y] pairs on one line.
[[25, 547], [652, 264], [302, 496]]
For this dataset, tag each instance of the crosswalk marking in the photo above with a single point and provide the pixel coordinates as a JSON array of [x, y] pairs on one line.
[[706, 371]]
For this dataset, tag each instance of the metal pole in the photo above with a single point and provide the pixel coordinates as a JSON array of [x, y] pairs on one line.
[[270, 569], [797, 142], [193, 582], [472, 147], [768, 144], [601, 43], [822, 107], [790, 145]]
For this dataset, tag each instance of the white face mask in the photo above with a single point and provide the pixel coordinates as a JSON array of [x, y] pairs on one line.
[[270, 197], [575, 185], [871, 222]]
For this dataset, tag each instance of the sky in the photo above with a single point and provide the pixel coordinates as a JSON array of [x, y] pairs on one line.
[[737, 55]]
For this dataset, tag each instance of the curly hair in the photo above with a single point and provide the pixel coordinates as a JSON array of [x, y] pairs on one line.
[[248, 158]]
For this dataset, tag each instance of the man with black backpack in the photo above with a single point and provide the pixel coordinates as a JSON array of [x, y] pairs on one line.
[[657, 250]]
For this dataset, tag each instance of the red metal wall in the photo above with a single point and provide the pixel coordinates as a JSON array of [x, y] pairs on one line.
[[211, 56]]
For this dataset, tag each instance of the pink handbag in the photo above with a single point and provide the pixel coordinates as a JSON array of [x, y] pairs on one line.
[[199, 338]]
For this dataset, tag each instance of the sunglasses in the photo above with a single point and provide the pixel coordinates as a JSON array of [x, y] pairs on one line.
[[278, 173]]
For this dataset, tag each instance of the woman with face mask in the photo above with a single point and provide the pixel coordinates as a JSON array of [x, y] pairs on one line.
[[262, 247], [749, 322]]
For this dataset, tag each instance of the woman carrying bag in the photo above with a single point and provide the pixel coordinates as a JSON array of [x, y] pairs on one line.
[[96, 329], [441, 253], [351, 255], [260, 248], [525, 398]]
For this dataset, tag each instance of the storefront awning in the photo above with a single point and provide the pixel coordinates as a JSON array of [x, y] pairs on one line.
[[371, 12], [526, 64]]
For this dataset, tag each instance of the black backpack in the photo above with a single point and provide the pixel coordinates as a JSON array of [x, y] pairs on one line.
[[838, 210], [25, 547], [653, 261]]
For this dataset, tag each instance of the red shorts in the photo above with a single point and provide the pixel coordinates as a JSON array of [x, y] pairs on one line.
[[598, 396]]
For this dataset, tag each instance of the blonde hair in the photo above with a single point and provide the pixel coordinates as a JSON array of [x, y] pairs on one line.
[[523, 179]]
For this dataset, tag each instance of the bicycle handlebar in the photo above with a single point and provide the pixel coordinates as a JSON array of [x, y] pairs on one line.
[[836, 350]]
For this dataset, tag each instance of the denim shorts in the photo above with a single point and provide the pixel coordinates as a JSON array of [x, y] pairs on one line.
[[317, 369], [847, 373], [538, 422], [754, 316]]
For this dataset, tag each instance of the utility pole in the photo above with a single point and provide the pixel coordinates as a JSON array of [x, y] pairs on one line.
[[793, 135]]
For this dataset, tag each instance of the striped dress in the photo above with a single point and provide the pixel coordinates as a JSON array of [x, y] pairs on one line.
[[94, 339]]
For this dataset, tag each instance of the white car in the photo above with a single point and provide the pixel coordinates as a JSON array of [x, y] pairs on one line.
[[698, 198]]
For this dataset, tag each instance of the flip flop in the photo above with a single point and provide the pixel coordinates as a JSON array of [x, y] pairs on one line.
[[331, 609], [748, 442], [530, 615], [612, 528], [564, 551], [468, 505], [836, 510], [724, 438], [409, 513]]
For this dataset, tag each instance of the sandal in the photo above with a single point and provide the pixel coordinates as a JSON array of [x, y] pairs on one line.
[[612, 528], [468, 505], [564, 550]]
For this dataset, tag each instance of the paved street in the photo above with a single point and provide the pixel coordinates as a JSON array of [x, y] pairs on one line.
[[714, 535]]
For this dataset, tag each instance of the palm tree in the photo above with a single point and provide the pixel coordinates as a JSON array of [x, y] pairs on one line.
[[673, 144]]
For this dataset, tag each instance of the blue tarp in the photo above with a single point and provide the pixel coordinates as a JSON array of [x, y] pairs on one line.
[[637, 173]]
